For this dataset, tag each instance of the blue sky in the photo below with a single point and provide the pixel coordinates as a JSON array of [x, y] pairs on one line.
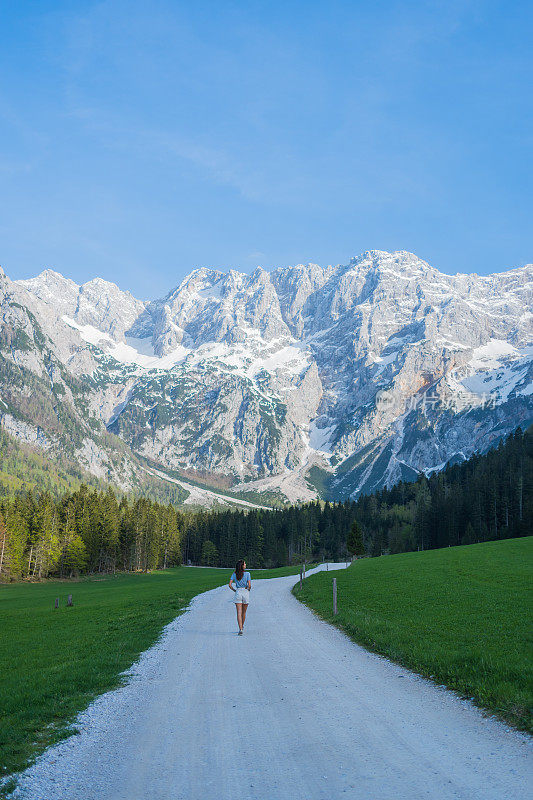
[[139, 140]]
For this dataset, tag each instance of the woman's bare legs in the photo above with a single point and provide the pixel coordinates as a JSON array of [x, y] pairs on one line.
[[244, 610], [240, 619]]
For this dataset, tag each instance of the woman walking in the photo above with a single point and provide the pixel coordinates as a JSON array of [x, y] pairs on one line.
[[243, 584]]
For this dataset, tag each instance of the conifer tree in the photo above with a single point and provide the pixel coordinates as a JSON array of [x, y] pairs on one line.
[[354, 543], [209, 554], [4, 546]]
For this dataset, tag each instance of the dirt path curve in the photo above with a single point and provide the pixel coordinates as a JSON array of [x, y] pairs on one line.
[[292, 710]]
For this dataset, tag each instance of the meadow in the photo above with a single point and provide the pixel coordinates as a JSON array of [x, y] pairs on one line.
[[54, 661], [460, 616]]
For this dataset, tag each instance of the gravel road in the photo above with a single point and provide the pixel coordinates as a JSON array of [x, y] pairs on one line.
[[292, 710]]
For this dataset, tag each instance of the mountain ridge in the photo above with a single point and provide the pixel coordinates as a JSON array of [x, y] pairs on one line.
[[279, 379]]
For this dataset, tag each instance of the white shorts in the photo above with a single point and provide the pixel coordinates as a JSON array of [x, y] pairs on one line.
[[242, 596]]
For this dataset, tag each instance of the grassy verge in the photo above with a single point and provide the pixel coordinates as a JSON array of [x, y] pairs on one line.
[[461, 615], [53, 662]]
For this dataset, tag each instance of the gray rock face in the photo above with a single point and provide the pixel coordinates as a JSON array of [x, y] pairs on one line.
[[98, 303], [369, 372], [211, 306]]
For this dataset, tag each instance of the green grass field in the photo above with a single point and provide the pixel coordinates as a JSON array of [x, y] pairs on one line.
[[461, 615], [53, 662]]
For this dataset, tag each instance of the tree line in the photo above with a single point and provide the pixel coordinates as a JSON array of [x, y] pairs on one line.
[[87, 530], [487, 497]]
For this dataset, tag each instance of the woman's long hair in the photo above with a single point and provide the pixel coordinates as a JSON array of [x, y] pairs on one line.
[[239, 569]]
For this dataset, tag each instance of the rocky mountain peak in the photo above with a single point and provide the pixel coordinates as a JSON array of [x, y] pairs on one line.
[[48, 282], [97, 303], [265, 376], [57, 293]]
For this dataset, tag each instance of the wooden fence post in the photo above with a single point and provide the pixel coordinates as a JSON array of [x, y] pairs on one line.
[[334, 596], [57, 602], [304, 570], [300, 577], [69, 600]]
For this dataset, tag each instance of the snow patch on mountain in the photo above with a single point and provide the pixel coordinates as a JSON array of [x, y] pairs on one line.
[[131, 351], [500, 369], [487, 356], [320, 437]]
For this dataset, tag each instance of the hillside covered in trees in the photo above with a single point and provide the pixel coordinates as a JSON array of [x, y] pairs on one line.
[[486, 497], [23, 468], [87, 530]]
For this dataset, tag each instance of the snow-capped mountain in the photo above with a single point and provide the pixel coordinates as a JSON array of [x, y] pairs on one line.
[[343, 378]]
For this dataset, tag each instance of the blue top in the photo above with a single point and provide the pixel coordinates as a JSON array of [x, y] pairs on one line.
[[243, 581]]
